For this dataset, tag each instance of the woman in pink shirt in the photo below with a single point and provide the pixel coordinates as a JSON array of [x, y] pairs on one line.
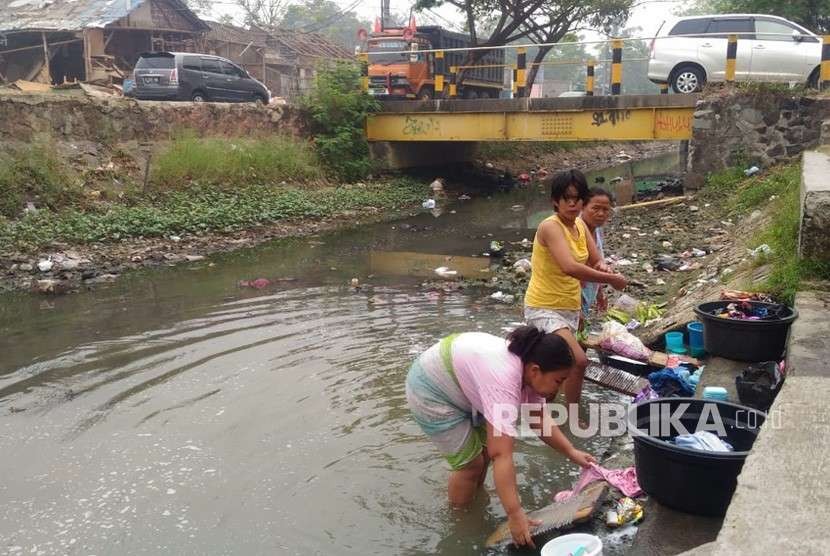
[[466, 392]]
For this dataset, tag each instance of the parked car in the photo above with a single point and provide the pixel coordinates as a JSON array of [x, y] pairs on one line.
[[195, 77], [770, 49]]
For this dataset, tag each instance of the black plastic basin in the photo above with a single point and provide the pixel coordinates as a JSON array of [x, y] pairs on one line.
[[693, 481], [745, 340]]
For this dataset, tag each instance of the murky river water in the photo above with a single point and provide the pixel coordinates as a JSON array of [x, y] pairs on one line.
[[175, 413]]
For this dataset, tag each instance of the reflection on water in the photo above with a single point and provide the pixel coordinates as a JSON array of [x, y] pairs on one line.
[[173, 412]]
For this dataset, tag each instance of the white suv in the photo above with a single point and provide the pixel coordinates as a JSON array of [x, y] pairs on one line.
[[691, 51]]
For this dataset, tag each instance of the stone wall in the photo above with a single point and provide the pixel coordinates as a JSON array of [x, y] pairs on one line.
[[79, 118], [749, 128]]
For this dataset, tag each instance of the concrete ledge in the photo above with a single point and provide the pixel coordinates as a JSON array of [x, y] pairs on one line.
[[783, 494], [541, 104], [814, 229]]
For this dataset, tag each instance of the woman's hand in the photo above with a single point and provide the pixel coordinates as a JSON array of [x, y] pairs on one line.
[[520, 528], [618, 282], [582, 459], [603, 267]]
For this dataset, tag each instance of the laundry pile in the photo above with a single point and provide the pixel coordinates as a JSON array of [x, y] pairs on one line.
[[744, 310], [703, 440]]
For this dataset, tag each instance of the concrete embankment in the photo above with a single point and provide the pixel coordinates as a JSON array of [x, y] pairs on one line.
[[781, 501]]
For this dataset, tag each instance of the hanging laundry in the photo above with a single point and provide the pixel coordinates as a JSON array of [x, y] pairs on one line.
[[703, 440], [623, 479]]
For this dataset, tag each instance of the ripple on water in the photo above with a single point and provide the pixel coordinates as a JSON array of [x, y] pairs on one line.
[[258, 423]]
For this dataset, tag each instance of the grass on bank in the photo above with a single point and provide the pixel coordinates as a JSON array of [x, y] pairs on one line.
[[778, 193], [35, 173], [198, 185], [233, 162]]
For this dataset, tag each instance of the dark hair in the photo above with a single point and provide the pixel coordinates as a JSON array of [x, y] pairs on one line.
[[600, 192], [563, 180], [550, 351]]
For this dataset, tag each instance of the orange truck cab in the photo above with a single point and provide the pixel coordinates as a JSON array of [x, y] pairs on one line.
[[399, 69]]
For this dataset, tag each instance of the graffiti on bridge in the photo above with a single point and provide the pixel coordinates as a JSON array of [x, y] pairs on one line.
[[421, 125], [612, 117], [673, 123]]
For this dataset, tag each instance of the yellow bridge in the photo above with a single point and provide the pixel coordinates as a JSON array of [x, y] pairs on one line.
[[594, 118]]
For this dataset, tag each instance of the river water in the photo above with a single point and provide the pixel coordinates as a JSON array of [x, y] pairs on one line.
[[175, 412]]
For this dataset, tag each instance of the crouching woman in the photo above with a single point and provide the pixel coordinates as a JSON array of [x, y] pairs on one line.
[[466, 393]]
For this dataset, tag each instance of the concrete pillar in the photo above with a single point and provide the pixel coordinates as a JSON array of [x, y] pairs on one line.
[[814, 225]]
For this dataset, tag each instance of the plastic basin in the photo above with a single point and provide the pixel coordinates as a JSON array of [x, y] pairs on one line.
[[568, 544], [693, 481], [745, 340]]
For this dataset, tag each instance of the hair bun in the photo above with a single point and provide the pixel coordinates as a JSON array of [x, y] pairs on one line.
[[523, 339]]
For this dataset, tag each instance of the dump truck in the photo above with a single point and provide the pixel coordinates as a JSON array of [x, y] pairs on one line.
[[399, 69]]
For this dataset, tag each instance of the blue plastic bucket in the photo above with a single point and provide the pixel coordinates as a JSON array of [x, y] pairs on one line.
[[674, 342], [695, 330]]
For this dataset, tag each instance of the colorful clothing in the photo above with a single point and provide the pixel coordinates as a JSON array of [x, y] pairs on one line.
[[590, 290], [461, 382], [550, 287]]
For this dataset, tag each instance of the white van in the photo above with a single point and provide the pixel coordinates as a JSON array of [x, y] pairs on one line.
[[692, 51]]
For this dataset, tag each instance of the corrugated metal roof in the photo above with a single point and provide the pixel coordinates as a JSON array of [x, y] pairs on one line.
[[231, 33], [71, 15], [313, 45]]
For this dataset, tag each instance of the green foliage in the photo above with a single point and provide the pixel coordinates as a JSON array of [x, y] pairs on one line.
[[337, 109], [203, 209], [327, 18], [812, 14], [34, 173], [233, 162], [777, 191]]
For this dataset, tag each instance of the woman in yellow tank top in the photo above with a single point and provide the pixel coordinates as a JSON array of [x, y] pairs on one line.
[[564, 253]]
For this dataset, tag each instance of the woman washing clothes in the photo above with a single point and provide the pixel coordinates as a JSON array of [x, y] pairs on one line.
[[466, 392], [565, 253], [595, 213]]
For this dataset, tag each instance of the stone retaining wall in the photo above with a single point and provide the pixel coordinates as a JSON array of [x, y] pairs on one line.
[[758, 128], [77, 117]]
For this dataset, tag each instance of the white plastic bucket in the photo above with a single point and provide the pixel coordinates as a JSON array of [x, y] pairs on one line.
[[569, 544]]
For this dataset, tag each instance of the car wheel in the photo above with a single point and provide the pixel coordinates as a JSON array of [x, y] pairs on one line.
[[198, 96], [688, 79], [425, 94], [260, 100]]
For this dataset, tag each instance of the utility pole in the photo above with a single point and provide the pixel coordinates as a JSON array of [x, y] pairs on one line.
[[385, 14]]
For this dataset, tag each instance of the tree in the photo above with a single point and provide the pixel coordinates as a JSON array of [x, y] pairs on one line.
[[812, 14], [542, 21], [262, 14], [634, 63], [560, 67], [327, 18], [557, 19]]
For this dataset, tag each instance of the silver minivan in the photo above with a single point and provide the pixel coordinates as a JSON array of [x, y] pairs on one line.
[[691, 51]]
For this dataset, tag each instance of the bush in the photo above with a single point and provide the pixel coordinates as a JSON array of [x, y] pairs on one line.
[[33, 173], [337, 109], [235, 162]]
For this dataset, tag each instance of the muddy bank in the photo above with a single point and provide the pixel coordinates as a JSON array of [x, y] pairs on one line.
[[678, 254], [521, 158], [64, 268]]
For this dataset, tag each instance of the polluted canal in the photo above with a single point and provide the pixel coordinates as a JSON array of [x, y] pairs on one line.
[[176, 412]]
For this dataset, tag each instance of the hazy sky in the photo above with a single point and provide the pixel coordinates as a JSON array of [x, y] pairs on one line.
[[648, 14]]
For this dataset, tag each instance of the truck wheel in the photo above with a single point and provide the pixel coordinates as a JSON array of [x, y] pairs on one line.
[[425, 94], [198, 96]]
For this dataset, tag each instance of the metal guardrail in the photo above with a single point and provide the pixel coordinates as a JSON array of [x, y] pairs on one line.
[[617, 45]]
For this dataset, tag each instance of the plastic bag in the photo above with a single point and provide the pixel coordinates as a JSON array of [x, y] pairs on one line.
[[616, 338]]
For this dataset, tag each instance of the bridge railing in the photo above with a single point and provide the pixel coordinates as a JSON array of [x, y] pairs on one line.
[[450, 74]]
